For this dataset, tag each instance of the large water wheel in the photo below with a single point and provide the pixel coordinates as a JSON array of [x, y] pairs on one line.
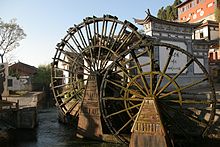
[[88, 48], [125, 82], [144, 93]]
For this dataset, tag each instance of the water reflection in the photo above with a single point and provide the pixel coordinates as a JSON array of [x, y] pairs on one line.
[[50, 133]]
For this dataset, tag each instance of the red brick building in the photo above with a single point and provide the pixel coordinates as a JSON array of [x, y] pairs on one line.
[[196, 10], [203, 11]]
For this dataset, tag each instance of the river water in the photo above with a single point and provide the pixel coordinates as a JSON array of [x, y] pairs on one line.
[[50, 133]]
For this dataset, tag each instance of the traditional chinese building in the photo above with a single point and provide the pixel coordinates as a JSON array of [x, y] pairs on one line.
[[181, 35]]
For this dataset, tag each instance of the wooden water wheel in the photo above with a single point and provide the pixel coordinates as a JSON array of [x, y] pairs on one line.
[[88, 47], [144, 91]]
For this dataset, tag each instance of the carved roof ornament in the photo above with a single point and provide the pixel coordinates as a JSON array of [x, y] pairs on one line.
[[151, 18]]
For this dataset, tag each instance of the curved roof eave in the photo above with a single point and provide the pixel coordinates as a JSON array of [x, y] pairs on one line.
[[150, 17]]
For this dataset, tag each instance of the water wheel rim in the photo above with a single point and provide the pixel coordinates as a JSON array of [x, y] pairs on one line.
[[190, 60], [93, 32]]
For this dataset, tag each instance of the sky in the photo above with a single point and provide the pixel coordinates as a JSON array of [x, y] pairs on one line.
[[46, 21]]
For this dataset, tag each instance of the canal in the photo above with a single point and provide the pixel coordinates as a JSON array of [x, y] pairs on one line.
[[50, 133]]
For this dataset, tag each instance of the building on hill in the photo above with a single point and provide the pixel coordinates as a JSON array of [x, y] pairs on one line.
[[20, 75], [196, 10], [204, 11]]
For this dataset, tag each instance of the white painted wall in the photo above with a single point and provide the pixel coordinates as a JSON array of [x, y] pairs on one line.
[[178, 59]]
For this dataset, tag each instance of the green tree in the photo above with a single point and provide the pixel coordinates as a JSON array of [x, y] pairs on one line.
[[162, 13], [217, 11], [170, 12], [10, 35], [42, 78]]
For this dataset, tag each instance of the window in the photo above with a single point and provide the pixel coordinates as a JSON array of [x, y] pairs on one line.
[[201, 35], [10, 83], [210, 5], [211, 56], [216, 55]]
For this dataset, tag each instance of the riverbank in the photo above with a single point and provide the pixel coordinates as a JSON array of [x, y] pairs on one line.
[[50, 133], [19, 111]]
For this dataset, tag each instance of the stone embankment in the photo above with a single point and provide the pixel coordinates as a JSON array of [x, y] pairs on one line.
[[19, 112]]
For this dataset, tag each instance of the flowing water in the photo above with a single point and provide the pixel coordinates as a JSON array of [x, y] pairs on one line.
[[50, 133]]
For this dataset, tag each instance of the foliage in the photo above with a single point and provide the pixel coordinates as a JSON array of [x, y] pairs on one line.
[[217, 14], [42, 77], [10, 35], [170, 12]]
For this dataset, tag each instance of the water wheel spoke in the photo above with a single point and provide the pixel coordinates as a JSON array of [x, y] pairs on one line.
[[105, 61], [112, 32], [81, 36], [164, 69], [126, 124], [151, 55], [126, 40], [101, 42], [121, 86], [61, 85], [142, 53], [72, 107], [88, 32], [70, 83], [69, 46], [176, 124], [123, 69], [181, 112], [56, 77], [190, 101], [76, 42], [96, 40], [72, 92], [175, 77], [118, 37], [184, 87], [121, 111], [77, 60], [72, 97], [108, 42], [122, 99], [63, 69], [139, 69], [89, 38], [60, 60]]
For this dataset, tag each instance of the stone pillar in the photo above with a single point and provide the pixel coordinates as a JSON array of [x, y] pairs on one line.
[[147, 130], [89, 125]]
